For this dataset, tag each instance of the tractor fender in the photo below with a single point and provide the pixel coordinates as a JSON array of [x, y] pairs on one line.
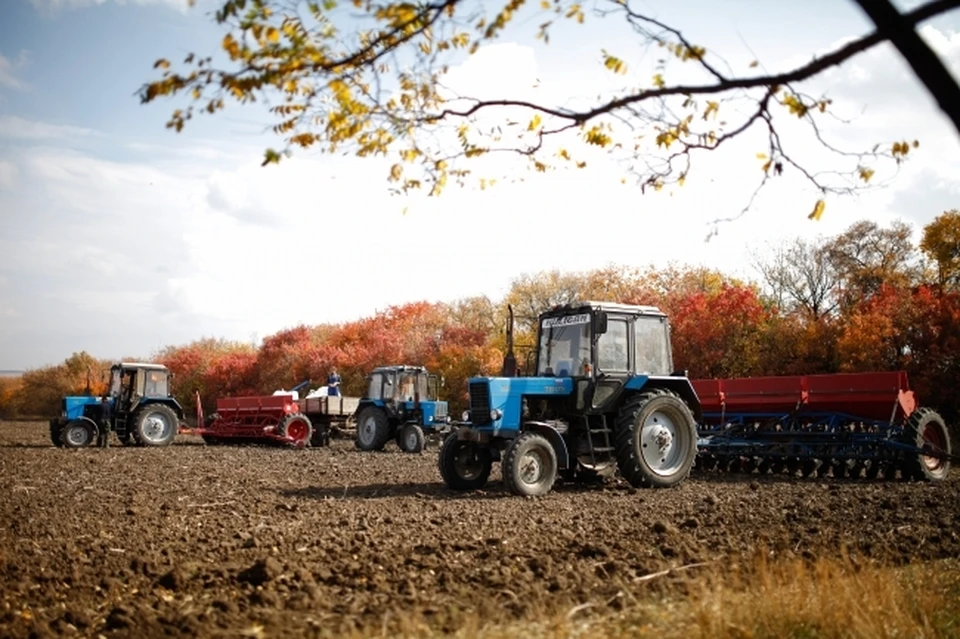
[[553, 436], [86, 420], [169, 401], [679, 385]]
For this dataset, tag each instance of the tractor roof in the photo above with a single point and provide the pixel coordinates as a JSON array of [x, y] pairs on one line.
[[141, 365], [402, 368], [610, 307]]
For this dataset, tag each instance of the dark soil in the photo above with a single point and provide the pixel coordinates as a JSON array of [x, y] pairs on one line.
[[193, 540]]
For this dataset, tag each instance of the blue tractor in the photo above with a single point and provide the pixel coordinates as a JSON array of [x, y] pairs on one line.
[[401, 403], [139, 409], [603, 398]]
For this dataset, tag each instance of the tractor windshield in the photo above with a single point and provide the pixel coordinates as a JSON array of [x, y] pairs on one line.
[[564, 345], [155, 384]]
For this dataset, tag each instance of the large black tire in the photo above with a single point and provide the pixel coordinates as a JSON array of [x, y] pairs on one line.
[[926, 428], [154, 425], [298, 428], [320, 436], [529, 465], [373, 429], [79, 433], [464, 465], [55, 427], [411, 439], [656, 439]]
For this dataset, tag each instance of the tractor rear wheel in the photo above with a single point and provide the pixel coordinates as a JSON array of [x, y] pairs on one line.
[[154, 425], [411, 439], [297, 427], [373, 429], [656, 439], [926, 429], [530, 465], [78, 434], [464, 465]]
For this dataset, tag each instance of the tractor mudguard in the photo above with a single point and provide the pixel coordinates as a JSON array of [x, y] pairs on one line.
[[679, 385], [554, 437]]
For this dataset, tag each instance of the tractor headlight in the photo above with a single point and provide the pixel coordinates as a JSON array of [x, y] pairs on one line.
[[496, 414], [466, 416]]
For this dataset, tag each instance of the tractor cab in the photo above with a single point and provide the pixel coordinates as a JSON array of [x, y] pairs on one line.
[[132, 383], [601, 346]]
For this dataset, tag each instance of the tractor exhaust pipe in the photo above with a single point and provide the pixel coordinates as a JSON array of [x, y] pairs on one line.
[[509, 360]]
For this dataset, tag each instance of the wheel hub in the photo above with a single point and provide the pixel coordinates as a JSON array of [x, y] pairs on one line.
[[531, 468]]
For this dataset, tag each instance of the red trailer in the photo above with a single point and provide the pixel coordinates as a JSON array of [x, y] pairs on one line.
[[256, 419]]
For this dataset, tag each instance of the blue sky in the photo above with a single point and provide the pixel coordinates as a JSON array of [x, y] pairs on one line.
[[119, 237]]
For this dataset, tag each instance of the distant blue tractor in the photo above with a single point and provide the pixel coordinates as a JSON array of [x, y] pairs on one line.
[[603, 398], [401, 403], [138, 408]]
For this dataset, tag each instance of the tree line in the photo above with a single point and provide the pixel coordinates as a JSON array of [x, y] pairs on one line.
[[867, 299]]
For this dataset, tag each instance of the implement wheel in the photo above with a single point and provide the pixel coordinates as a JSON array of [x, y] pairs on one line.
[[926, 429], [298, 428], [464, 465], [154, 425], [530, 465], [373, 429], [656, 439]]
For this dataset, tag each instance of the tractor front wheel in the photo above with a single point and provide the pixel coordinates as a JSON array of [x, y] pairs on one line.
[[78, 434], [530, 465], [656, 439], [411, 439], [464, 465], [296, 427], [155, 425], [373, 429]]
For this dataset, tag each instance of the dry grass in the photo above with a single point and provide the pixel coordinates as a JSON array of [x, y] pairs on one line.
[[825, 599]]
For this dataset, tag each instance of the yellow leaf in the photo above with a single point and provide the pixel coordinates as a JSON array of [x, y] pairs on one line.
[[761, 156], [534, 123], [658, 81], [544, 4], [161, 64], [817, 210], [865, 173], [273, 35], [395, 172]]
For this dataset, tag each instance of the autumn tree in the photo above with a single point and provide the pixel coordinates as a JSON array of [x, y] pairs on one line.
[[941, 244], [868, 256], [40, 390], [800, 276], [212, 367], [371, 79]]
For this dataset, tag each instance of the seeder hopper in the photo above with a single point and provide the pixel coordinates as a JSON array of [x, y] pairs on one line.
[[255, 419], [847, 425]]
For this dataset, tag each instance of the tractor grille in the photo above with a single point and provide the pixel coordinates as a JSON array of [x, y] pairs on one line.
[[480, 402], [441, 410]]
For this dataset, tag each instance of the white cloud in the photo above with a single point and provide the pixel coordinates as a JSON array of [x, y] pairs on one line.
[[9, 70], [8, 174], [12, 126], [48, 6]]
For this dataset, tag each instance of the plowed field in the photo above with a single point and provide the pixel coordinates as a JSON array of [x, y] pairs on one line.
[[193, 540]]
